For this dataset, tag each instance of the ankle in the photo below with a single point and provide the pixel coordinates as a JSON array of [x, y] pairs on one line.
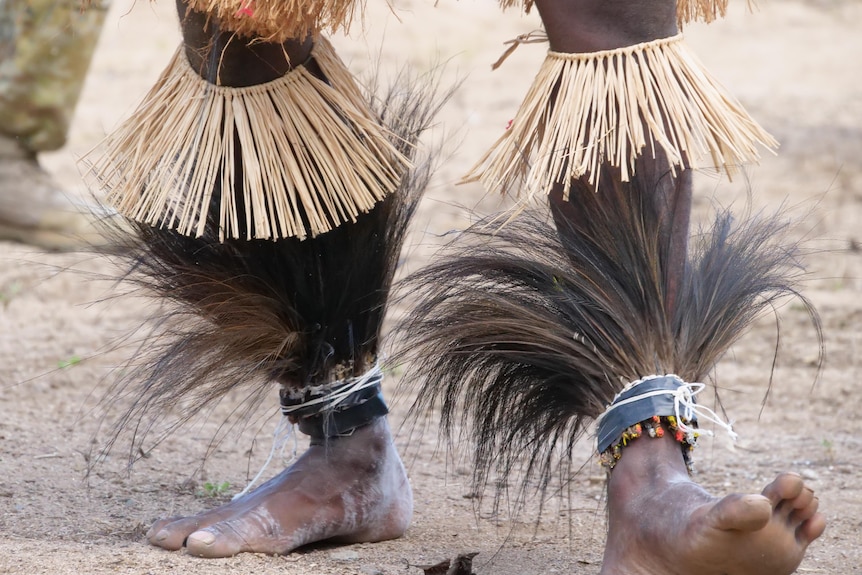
[[370, 443], [646, 468], [657, 460]]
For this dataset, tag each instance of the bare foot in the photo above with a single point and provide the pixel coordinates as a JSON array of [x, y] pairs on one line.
[[660, 522], [352, 489]]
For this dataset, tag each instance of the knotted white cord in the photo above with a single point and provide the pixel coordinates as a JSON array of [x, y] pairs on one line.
[[367, 379]]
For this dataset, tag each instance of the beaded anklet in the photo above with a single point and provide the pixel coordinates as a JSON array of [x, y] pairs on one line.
[[652, 406], [653, 427]]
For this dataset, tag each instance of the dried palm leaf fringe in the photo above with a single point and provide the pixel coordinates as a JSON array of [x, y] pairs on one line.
[[295, 157], [280, 20], [703, 10], [584, 110], [526, 5], [523, 335], [277, 20]]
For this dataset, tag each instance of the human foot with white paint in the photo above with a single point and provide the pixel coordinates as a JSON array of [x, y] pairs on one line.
[[350, 489]]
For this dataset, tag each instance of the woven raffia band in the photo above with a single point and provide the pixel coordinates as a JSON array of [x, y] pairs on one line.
[[585, 110], [336, 409], [280, 20], [313, 155]]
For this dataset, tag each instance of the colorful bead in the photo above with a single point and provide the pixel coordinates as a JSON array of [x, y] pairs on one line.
[[653, 427]]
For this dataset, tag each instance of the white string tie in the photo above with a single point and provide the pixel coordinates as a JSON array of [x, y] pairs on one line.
[[684, 405], [284, 431], [367, 379]]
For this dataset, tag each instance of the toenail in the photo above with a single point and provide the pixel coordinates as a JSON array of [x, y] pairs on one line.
[[203, 537]]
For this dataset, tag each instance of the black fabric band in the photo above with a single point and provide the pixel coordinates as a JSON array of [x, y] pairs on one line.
[[612, 425], [338, 423]]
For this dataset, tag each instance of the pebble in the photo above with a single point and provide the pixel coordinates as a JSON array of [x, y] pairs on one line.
[[809, 474], [344, 555]]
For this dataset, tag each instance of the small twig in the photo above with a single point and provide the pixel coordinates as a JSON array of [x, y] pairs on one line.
[[47, 456]]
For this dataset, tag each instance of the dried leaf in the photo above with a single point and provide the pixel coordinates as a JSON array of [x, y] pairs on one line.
[[463, 565]]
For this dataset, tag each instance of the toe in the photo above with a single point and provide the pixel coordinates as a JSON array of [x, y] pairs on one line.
[[802, 514], [171, 534], [741, 513], [160, 524], [799, 507], [811, 529], [215, 541], [787, 486]]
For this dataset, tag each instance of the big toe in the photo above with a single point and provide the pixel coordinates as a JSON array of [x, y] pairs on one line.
[[217, 541], [171, 533], [740, 513]]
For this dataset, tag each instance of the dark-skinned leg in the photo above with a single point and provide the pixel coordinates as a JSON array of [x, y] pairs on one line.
[[671, 199], [350, 488], [660, 521]]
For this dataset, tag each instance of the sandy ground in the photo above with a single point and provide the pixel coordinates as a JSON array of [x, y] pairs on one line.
[[793, 64]]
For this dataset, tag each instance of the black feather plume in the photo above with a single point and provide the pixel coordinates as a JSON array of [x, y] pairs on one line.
[[524, 334]]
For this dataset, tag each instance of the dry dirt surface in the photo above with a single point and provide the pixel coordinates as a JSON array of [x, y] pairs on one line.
[[64, 324]]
